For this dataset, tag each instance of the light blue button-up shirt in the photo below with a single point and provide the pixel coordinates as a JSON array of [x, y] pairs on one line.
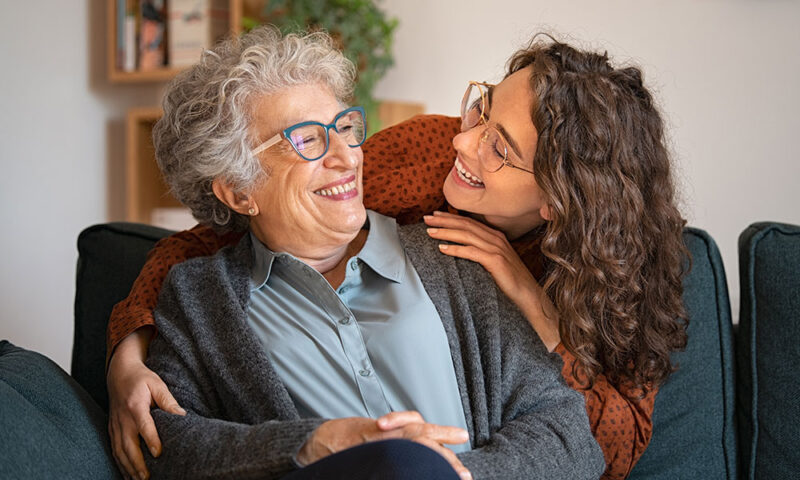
[[373, 346]]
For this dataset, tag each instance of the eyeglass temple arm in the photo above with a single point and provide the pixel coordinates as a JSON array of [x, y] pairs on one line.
[[272, 141]]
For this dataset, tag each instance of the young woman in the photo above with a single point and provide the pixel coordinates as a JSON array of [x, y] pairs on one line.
[[562, 174]]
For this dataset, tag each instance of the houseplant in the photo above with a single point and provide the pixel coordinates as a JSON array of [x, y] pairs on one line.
[[360, 28]]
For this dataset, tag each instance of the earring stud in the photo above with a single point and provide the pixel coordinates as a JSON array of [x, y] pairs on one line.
[[252, 211]]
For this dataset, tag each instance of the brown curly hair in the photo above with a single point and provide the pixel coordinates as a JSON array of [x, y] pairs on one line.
[[614, 244]]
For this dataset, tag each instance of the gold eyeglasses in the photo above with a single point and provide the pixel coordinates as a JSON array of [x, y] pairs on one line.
[[493, 147]]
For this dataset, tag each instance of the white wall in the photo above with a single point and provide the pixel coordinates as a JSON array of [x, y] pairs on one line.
[[61, 133], [726, 71]]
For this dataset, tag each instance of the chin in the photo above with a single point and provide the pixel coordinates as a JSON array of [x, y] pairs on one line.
[[454, 196], [355, 220]]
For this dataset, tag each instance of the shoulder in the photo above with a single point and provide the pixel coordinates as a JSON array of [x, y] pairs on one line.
[[201, 275]]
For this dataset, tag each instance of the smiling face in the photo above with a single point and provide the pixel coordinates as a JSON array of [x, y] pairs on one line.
[[305, 208], [508, 199]]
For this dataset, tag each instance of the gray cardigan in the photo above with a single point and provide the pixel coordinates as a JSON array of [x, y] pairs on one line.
[[523, 420]]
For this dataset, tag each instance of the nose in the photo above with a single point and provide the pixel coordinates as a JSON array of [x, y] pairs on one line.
[[340, 155], [466, 144]]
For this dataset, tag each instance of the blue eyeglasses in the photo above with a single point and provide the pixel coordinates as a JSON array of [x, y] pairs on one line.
[[311, 139]]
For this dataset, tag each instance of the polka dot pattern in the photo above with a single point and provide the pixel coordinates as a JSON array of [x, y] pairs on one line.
[[404, 169]]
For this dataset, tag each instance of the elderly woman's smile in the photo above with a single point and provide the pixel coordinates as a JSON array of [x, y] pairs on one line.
[[306, 207], [340, 190]]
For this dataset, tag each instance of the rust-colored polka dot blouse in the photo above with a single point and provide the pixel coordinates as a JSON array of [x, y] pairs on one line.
[[404, 169]]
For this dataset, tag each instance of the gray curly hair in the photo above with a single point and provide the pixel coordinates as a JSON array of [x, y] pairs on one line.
[[205, 132]]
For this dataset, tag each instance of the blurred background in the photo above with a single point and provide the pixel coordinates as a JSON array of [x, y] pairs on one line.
[[725, 73]]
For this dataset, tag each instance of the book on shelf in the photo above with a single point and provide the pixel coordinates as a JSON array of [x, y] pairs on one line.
[[152, 30], [194, 26], [157, 34], [128, 28]]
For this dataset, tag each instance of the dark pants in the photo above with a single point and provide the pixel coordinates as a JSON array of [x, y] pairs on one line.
[[384, 460]]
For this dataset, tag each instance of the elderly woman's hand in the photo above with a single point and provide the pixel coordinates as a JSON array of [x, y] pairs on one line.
[[490, 248], [132, 389], [336, 435]]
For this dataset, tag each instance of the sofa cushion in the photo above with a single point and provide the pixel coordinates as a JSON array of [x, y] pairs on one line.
[[768, 344], [48, 424], [693, 423], [110, 257]]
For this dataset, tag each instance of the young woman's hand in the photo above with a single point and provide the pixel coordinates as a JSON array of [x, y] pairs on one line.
[[132, 390], [489, 247]]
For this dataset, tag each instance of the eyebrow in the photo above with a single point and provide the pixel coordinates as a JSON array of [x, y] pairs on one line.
[[501, 128], [509, 139]]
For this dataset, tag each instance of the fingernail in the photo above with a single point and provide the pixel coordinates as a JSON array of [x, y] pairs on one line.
[[443, 247], [154, 453], [465, 475], [427, 216], [181, 411], [433, 230], [143, 476]]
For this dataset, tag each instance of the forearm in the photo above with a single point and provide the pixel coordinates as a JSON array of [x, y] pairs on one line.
[[552, 442], [540, 313], [199, 447]]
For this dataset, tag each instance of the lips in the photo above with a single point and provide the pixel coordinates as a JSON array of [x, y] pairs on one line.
[[466, 176], [337, 189], [341, 189]]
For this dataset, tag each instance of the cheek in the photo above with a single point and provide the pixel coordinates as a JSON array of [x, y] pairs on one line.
[[516, 195]]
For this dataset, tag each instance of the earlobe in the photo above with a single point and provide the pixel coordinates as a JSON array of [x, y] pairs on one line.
[[236, 201], [546, 212]]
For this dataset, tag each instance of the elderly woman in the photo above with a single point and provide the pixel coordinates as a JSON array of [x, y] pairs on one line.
[[327, 327]]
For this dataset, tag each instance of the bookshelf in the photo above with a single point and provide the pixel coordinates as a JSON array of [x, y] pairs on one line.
[[147, 198], [236, 9]]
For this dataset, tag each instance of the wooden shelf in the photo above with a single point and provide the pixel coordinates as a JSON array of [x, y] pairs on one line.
[[144, 187], [236, 9]]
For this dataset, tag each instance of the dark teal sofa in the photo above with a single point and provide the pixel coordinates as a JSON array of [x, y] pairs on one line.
[[55, 424]]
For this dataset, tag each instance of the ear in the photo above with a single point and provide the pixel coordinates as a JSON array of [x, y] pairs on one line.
[[546, 212], [236, 201]]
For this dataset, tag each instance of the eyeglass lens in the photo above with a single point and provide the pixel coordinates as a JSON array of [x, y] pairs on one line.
[[311, 141], [472, 107], [492, 149]]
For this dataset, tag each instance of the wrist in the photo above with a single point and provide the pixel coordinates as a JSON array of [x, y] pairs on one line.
[[542, 316], [134, 346]]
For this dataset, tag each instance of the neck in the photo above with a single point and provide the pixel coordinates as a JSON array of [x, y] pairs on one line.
[[328, 258], [513, 228]]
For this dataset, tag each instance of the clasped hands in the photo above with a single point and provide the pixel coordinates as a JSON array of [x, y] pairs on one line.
[[336, 435]]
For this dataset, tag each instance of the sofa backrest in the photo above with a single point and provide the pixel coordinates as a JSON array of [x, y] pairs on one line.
[[693, 422], [109, 259], [768, 350], [693, 434]]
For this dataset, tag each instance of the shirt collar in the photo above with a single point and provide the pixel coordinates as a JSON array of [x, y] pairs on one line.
[[382, 252], [263, 259]]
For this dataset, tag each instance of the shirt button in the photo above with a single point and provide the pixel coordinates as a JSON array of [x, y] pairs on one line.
[[354, 266], [364, 373], [345, 321], [344, 290]]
